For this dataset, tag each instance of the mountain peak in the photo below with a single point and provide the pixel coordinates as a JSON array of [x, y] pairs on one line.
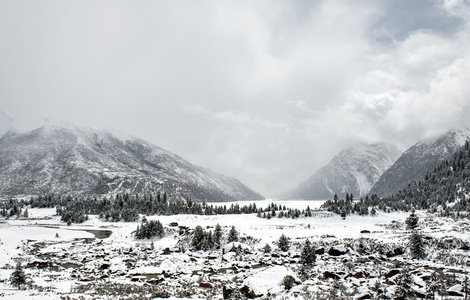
[[353, 170], [420, 158]]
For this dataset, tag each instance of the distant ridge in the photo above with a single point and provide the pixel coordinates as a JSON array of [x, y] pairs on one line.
[[353, 170], [417, 160], [81, 160]]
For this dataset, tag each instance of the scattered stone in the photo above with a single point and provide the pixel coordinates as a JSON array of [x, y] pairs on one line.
[[337, 250], [206, 285], [329, 274], [392, 273]]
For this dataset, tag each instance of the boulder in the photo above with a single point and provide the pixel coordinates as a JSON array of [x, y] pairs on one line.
[[332, 275], [392, 273], [337, 250], [206, 285], [456, 290]]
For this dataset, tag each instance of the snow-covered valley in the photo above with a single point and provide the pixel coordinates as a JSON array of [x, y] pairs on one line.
[[357, 258]]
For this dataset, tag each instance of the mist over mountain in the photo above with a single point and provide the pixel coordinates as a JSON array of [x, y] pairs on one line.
[[6, 124], [353, 170], [80, 160], [417, 160]]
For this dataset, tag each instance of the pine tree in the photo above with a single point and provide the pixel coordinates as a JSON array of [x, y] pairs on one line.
[[267, 248], [283, 243], [18, 277], [465, 287], [436, 284], [218, 235], [232, 235], [307, 256], [198, 237], [404, 285], [416, 245], [412, 221]]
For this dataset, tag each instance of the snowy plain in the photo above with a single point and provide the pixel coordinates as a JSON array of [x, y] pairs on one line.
[[127, 259]]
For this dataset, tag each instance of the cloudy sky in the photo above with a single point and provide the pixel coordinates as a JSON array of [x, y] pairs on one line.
[[265, 91]]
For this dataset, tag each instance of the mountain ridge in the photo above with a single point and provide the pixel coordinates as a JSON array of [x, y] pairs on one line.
[[418, 159], [353, 170], [82, 160]]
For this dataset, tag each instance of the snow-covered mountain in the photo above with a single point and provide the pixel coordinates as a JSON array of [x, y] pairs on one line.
[[353, 170], [417, 160], [80, 160]]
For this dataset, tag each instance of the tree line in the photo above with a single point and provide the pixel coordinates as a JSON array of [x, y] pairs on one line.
[[442, 190]]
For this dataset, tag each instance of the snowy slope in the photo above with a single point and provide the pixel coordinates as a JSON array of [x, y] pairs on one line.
[[417, 160], [68, 159], [354, 170]]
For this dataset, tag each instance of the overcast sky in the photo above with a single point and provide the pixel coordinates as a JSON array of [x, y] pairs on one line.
[[264, 91]]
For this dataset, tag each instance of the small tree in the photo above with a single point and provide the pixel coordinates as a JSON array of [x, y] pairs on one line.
[[283, 243], [198, 237], [218, 235], [412, 221], [465, 287], [416, 245], [18, 277], [232, 235], [267, 248], [307, 256], [436, 284], [404, 288]]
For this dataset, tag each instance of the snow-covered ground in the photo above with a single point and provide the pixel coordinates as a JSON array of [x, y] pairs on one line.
[[69, 261]]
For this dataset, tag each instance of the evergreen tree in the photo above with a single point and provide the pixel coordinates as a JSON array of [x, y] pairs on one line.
[[416, 245], [232, 235], [283, 243], [465, 287], [404, 285], [218, 235], [412, 221], [18, 277], [267, 248], [436, 284], [198, 237], [307, 256]]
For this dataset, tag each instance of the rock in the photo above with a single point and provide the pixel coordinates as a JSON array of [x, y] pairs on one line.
[[174, 224], [456, 290], [105, 266], [392, 273], [206, 285], [395, 252], [337, 250], [320, 251], [226, 292], [361, 274], [166, 251], [364, 296], [247, 292], [328, 274], [365, 231]]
